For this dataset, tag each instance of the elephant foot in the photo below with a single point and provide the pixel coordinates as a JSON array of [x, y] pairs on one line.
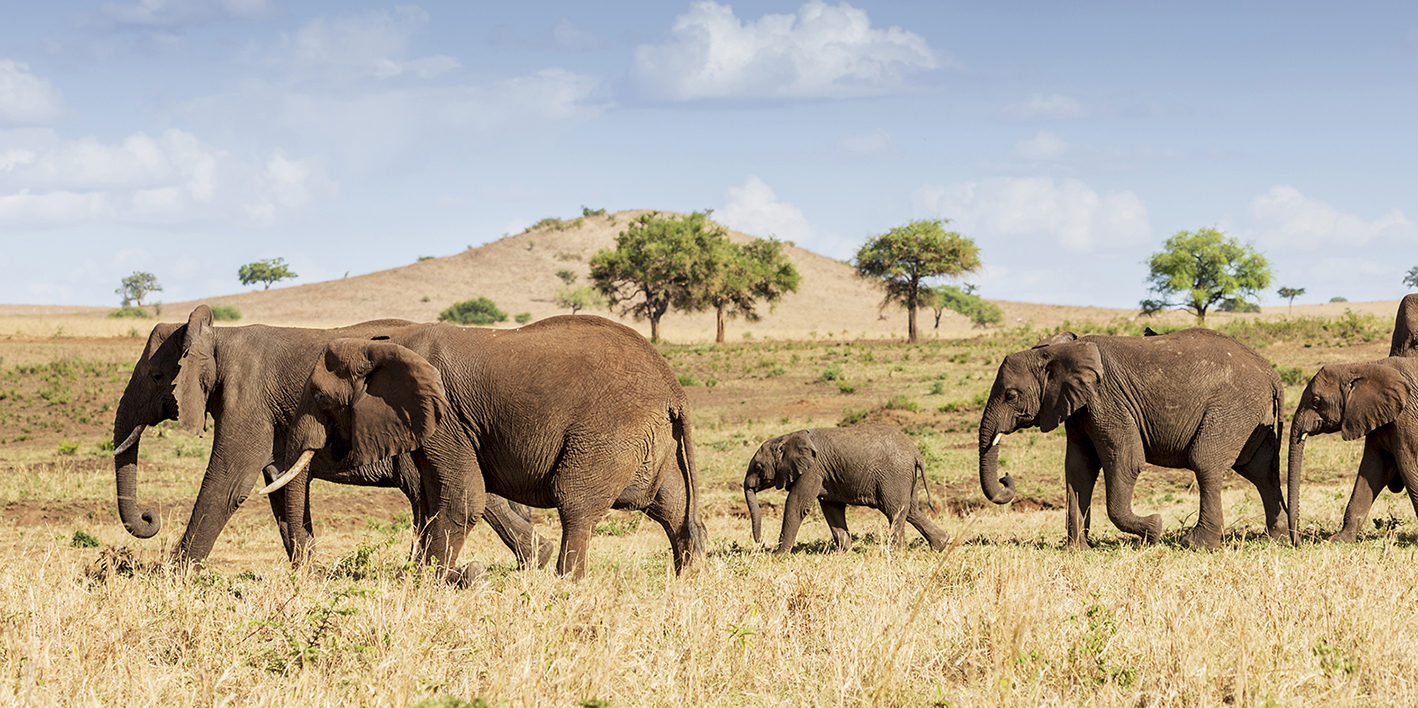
[[1152, 528], [939, 544], [469, 575], [1345, 535], [1079, 543], [1279, 534], [1201, 540], [545, 550]]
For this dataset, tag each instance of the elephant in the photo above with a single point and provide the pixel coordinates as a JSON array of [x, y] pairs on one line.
[[867, 464], [1405, 328], [1369, 399], [576, 412], [1195, 398], [250, 379]]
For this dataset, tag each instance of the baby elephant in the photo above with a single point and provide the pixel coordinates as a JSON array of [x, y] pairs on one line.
[[869, 464]]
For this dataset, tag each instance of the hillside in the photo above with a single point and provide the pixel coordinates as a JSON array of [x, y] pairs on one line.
[[518, 272]]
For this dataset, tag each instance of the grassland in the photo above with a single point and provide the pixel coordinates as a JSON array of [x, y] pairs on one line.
[[88, 615]]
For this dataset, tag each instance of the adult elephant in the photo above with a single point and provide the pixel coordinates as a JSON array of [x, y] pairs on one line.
[[1405, 328], [1374, 400], [1195, 399], [573, 412], [250, 379], [867, 464]]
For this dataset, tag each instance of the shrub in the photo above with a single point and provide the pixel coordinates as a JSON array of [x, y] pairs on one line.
[[68, 447], [1292, 375], [902, 403], [522, 317], [832, 373], [225, 312], [131, 311], [83, 539], [1338, 298], [687, 380], [478, 311], [852, 417]]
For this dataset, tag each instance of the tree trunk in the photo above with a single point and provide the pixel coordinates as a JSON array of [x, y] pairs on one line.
[[719, 332], [655, 328]]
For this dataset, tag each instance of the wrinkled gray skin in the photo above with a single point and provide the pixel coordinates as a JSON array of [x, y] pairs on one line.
[[868, 464], [1195, 399], [1373, 400], [574, 412], [1405, 328], [250, 379]]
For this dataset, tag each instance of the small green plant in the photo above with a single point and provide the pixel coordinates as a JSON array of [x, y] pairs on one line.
[[522, 317], [131, 311], [902, 403], [938, 388], [844, 387], [225, 312], [1291, 375], [852, 417], [478, 311], [619, 527], [688, 380], [776, 371], [68, 447], [832, 373], [82, 539]]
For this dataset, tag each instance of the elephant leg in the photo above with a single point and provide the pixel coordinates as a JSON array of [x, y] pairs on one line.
[[670, 510], [575, 542], [800, 498], [454, 480], [836, 515], [1262, 467], [1376, 468], [532, 550], [1081, 468], [1210, 520], [937, 537], [1120, 472], [277, 500]]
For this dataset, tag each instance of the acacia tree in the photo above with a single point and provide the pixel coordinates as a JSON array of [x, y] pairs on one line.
[[905, 256], [1198, 269], [659, 261], [737, 277], [962, 300], [136, 287], [1290, 294], [267, 271], [1412, 278]]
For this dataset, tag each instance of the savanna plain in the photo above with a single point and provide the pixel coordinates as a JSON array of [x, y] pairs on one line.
[[1006, 616]]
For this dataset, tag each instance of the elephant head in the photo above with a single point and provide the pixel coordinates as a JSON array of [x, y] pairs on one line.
[[1351, 399], [1405, 328], [1040, 387], [365, 400], [171, 381], [762, 474]]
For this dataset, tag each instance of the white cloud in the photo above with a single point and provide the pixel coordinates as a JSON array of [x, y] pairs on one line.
[[171, 13], [370, 44], [1284, 216], [1014, 208], [1041, 107], [871, 145], [26, 99], [755, 210], [566, 36], [821, 51], [53, 207], [1044, 147]]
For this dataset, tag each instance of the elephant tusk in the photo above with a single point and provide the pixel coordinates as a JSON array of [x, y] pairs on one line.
[[291, 473], [132, 438], [998, 437]]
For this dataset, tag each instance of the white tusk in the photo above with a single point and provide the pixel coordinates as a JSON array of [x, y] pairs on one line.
[[998, 437], [1302, 437], [132, 438], [291, 473]]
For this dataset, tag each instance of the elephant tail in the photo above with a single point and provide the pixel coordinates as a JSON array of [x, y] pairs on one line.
[[921, 472], [684, 443]]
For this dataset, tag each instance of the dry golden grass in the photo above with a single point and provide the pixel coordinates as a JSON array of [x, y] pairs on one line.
[[1007, 617]]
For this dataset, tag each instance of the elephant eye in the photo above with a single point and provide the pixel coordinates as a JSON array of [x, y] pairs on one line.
[[1011, 395]]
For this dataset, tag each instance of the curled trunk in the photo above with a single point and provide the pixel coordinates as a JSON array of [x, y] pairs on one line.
[[999, 491], [1294, 471], [750, 495], [125, 467]]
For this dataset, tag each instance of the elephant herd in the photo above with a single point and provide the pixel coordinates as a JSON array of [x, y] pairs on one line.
[[583, 415]]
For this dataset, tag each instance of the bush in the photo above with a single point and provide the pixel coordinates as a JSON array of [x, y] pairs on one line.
[[478, 311], [1338, 298], [902, 403], [522, 317], [225, 312], [131, 311]]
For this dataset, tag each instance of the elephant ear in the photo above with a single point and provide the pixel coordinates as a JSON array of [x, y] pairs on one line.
[[796, 456], [197, 371], [1377, 394], [397, 398], [1071, 372], [1060, 338]]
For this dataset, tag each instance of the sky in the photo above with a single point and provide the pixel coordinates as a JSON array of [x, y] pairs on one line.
[[1069, 140]]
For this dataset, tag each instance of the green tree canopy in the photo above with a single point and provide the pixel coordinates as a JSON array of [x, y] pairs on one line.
[[478, 311], [136, 287], [904, 257], [948, 297], [267, 271], [1290, 294], [659, 261], [737, 277], [1412, 278], [581, 297], [1198, 269]]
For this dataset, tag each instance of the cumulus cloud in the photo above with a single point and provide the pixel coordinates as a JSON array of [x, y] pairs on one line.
[[368, 44], [26, 99], [1040, 107], [1284, 216], [1044, 147], [1078, 217], [822, 51], [755, 210]]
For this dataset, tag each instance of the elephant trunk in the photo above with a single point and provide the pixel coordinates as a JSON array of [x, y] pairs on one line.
[[125, 467], [1295, 469], [997, 490], [750, 495]]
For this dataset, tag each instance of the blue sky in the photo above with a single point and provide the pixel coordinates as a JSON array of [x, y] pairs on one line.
[[187, 137]]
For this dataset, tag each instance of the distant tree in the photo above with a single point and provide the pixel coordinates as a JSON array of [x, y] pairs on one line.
[[581, 297], [737, 277], [940, 298], [1339, 298], [136, 287], [267, 271], [658, 262], [1196, 270], [1290, 294], [905, 256], [567, 276], [522, 317], [478, 311], [1411, 279]]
